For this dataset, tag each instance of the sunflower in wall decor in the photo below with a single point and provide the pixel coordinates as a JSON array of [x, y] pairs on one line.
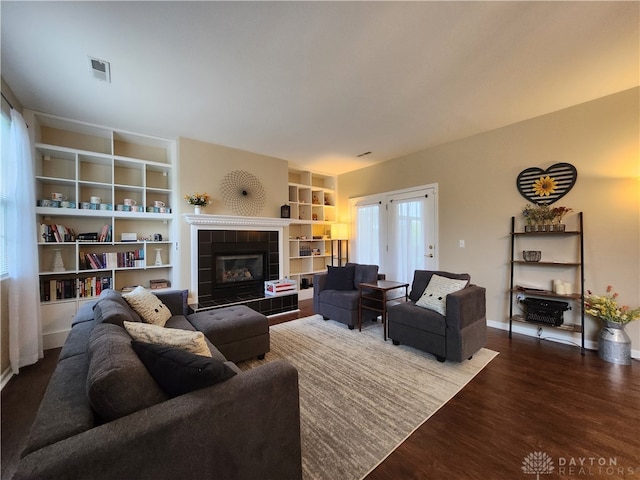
[[544, 186]]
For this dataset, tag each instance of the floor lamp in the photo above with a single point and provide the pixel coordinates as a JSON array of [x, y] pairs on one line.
[[339, 234]]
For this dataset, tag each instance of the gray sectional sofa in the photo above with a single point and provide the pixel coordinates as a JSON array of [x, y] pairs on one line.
[[245, 427]]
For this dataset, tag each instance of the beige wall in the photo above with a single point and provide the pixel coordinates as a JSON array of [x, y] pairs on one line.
[[478, 195], [202, 166]]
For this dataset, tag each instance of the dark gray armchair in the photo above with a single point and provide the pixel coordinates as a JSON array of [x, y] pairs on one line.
[[340, 301], [456, 336]]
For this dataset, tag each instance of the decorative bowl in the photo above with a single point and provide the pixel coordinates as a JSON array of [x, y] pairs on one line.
[[531, 255]]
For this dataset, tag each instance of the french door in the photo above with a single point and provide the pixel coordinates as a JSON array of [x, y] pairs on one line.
[[397, 231], [411, 233]]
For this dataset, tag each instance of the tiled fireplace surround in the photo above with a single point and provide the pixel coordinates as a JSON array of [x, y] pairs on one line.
[[219, 233]]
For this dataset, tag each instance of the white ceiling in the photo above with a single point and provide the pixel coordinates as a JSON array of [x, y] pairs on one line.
[[318, 83]]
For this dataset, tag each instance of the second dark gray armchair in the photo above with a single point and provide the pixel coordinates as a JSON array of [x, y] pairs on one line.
[[457, 335]]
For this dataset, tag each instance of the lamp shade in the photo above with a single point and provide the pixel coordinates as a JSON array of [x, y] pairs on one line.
[[339, 231]]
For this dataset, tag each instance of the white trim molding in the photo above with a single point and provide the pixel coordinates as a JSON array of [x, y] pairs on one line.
[[229, 221]]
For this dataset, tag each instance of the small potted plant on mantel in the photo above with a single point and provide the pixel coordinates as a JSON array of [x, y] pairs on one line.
[[614, 345], [198, 200]]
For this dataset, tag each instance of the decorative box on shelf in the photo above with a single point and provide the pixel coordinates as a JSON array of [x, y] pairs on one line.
[[280, 287]]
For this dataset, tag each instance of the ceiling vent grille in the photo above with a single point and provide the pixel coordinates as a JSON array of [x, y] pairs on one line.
[[100, 69]]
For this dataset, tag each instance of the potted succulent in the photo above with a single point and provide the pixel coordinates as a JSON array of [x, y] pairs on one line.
[[614, 345], [198, 200]]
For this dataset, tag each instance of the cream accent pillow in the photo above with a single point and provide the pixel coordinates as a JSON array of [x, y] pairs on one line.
[[148, 306], [193, 342], [434, 296]]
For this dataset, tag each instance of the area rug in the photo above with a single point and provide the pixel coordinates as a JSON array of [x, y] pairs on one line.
[[360, 397]]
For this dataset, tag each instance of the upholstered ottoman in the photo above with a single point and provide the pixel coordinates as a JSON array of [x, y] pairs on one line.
[[238, 332]]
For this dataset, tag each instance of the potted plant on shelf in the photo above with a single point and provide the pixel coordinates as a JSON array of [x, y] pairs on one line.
[[198, 200], [614, 345], [543, 218]]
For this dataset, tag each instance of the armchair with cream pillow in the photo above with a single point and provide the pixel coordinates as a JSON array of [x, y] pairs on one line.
[[445, 315]]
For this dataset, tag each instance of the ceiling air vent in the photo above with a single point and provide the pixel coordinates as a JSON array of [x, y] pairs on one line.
[[100, 69]]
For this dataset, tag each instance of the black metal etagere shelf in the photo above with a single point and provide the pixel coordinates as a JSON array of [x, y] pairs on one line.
[[578, 298]]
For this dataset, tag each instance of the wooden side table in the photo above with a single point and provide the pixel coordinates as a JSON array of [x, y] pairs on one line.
[[380, 305]]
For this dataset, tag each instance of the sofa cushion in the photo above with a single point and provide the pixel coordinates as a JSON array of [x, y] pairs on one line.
[[64, 410], [435, 295], [341, 299], [364, 274], [177, 301], [340, 278], [78, 340], [180, 322], [108, 310], [423, 319], [117, 382], [116, 296], [190, 341], [148, 306], [178, 371]]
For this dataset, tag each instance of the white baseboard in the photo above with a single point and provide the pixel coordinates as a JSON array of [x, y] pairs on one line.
[[551, 334], [54, 339]]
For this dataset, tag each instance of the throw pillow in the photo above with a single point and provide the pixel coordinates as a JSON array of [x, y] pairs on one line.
[[435, 295], [178, 371], [340, 278], [190, 341], [148, 306], [111, 311]]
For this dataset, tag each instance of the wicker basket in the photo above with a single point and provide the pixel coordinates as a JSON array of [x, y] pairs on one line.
[[531, 255]]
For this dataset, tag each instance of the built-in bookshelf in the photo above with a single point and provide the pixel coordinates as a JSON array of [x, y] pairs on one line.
[[104, 214], [312, 203]]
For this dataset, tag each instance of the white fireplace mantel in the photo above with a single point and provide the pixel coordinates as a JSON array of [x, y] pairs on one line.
[[231, 222]]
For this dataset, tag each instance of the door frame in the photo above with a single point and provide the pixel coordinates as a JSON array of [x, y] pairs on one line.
[[383, 199]]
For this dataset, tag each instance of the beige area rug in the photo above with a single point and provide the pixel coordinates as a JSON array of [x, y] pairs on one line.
[[360, 397]]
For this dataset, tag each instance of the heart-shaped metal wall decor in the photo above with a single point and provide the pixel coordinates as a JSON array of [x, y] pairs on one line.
[[544, 187]]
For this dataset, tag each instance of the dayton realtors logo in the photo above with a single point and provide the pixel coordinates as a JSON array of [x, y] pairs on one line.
[[537, 463], [540, 463]]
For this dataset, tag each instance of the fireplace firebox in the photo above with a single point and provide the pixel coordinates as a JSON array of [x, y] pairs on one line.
[[239, 267]]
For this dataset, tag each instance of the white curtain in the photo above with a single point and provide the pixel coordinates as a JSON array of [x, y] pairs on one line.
[[367, 241], [25, 326]]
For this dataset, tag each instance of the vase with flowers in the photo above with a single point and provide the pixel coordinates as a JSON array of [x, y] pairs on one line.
[[614, 345], [558, 214], [198, 200]]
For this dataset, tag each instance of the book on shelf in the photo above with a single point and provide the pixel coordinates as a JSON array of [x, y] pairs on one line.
[[105, 234], [56, 233], [92, 286], [111, 260], [57, 289], [88, 237]]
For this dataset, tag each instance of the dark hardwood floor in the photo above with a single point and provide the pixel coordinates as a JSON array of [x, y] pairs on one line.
[[535, 396]]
